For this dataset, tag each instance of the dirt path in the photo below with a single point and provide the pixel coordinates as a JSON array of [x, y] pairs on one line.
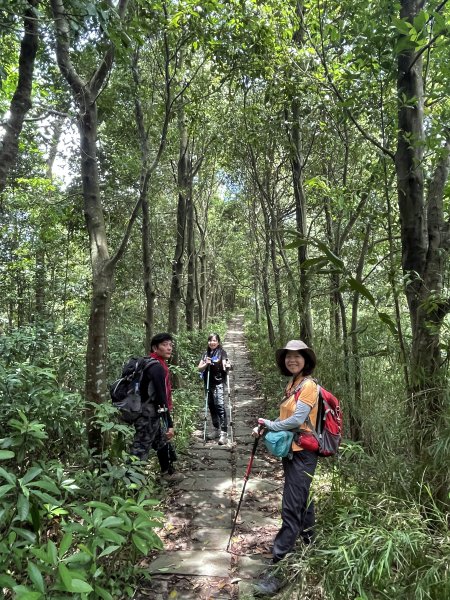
[[200, 509]]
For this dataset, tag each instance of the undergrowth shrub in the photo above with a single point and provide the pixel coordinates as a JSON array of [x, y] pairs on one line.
[[371, 545], [57, 540]]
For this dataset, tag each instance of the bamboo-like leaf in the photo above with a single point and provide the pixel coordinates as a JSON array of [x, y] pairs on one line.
[[389, 322], [357, 286], [335, 260]]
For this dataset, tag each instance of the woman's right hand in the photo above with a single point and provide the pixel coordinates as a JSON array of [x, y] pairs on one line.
[[257, 431]]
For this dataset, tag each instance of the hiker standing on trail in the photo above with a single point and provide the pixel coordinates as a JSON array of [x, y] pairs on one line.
[[298, 410], [154, 427], [213, 366]]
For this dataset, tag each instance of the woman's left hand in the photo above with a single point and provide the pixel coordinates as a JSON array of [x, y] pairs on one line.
[[261, 421]]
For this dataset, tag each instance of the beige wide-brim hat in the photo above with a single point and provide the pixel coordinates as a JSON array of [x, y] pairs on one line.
[[298, 345]]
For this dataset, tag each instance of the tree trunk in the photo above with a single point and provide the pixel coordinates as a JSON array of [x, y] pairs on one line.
[[304, 300], [190, 287], [85, 95], [21, 101], [424, 247], [183, 188], [355, 413]]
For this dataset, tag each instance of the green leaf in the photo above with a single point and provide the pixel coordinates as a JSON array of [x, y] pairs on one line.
[[311, 262], [402, 26], [52, 552], [112, 536], [10, 478], [50, 486], [36, 576], [31, 474], [27, 535], [96, 504], [45, 497], [23, 507], [112, 522], [81, 587], [359, 287], [78, 557], [103, 593], [108, 550], [6, 454], [140, 544], [335, 260], [7, 582], [23, 593], [42, 555], [66, 577], [389, 322], [65, 544], [4, 489]]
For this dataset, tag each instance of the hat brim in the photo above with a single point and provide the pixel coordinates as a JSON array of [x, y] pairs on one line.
[[280, 356]]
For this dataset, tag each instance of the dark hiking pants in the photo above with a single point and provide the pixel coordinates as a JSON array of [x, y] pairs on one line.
[[150, 435], [297, 510], [217, 407]]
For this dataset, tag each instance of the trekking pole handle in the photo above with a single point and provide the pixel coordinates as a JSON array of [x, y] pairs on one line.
[[255, 444]]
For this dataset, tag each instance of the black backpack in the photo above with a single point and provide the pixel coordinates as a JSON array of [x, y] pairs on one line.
[[125, 391]]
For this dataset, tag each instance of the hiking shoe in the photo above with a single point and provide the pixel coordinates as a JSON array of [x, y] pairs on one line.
[[223, 438], [267, 586], [172, 477], [214, 435]]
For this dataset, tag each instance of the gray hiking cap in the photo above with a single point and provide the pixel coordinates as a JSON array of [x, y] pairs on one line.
[[280, 354]]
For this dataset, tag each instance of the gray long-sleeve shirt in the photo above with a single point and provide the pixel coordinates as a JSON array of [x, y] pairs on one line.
[[293, 422]]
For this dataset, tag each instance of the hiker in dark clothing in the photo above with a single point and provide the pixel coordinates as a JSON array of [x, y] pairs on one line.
[[298, 411], [214, 365], [154, 427]]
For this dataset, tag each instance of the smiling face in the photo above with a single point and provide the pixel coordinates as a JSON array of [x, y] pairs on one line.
[[213, 342], [294, 362]]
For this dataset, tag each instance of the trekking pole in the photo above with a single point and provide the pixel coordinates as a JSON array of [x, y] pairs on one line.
[[230, 407], [246, 476], [206, 406]]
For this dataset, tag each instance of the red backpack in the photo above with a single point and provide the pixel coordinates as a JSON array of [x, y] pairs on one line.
[[326, 437], [329, 423]]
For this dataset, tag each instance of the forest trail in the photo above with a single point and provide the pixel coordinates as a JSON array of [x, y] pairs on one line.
[[200, 509]]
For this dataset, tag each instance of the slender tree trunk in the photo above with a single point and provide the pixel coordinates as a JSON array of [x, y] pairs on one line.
[[304, 300], [21, 101], [183, 190], [355, 412], [297, 168], [190, 287]]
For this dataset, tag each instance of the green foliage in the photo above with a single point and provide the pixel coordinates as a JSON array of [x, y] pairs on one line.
[[55, 540], [373, 545]]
